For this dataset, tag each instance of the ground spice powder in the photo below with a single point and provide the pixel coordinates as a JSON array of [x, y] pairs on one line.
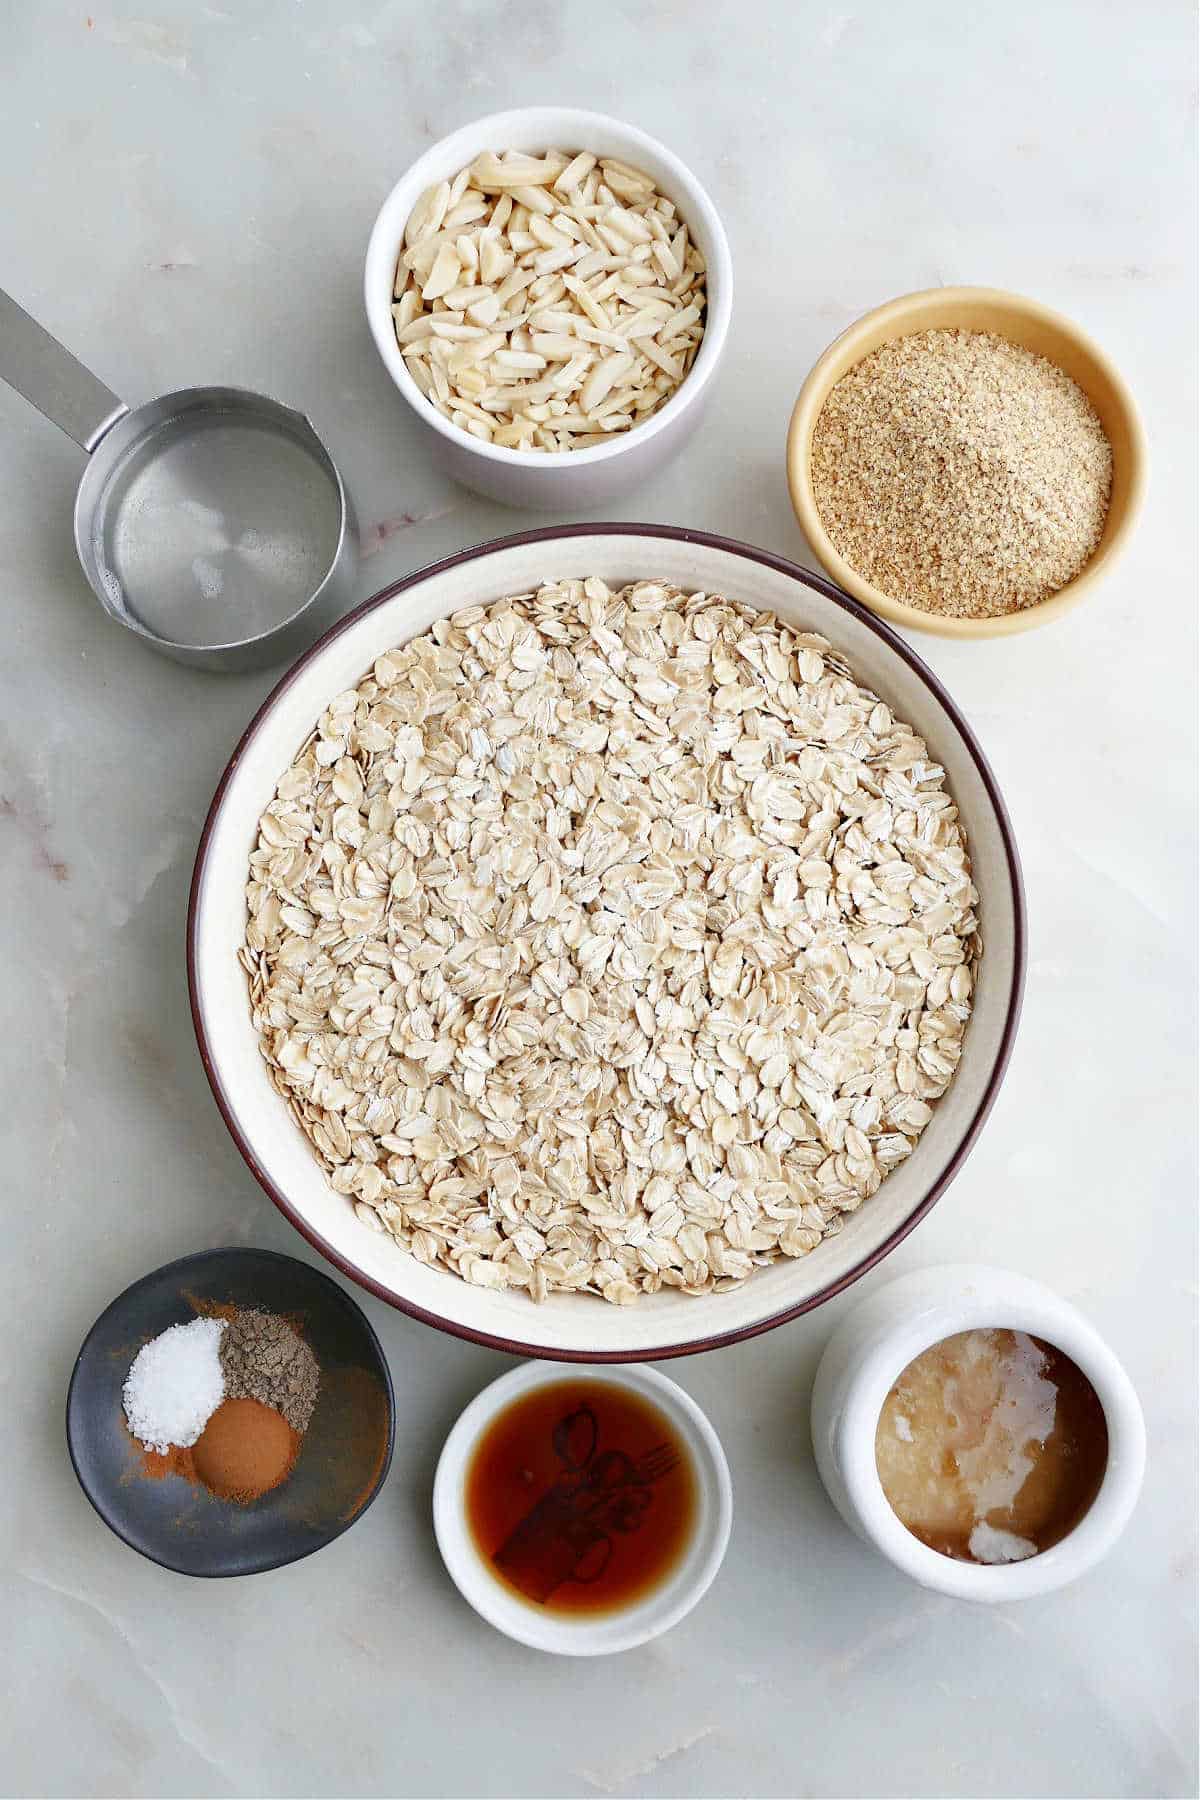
[[264, 1359], [961, 473], [245, 1450], [156, 1465]]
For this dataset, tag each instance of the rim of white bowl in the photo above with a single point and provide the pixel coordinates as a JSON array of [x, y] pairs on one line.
[[717, 1340], [1015, 1305], [386, 238], [601, 1634]]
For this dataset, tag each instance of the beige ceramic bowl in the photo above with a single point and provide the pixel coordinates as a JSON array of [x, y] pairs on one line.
[[1022, 322]]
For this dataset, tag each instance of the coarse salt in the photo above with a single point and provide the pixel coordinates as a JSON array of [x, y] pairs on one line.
[[175, 1385]]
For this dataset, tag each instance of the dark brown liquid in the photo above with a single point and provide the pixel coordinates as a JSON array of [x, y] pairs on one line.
[[991, 1446], [581, 1496]]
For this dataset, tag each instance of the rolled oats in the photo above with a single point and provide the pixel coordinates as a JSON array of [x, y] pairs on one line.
[[610, 941]]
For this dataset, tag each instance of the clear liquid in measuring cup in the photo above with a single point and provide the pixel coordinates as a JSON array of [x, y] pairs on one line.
[[217, 529]]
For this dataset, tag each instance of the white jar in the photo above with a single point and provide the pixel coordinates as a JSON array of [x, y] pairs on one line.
[[555, 479], [881, 1336]]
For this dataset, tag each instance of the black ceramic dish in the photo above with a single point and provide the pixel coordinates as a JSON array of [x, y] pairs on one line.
[[347, 1449]]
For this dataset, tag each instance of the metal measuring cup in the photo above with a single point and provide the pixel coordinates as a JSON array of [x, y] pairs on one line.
[[212, 522]]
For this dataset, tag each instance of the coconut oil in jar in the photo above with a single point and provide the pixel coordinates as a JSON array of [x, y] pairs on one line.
[[991, 1446]]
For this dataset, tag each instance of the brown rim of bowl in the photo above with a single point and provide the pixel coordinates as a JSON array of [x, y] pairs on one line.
[[798, 463], [819, 584]]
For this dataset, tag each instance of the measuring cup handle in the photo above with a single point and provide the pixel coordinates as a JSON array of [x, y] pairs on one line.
[[53, 380]]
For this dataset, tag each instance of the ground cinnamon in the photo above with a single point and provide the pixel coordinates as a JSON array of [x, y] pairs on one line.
[[245, 1450], [157, 1464]]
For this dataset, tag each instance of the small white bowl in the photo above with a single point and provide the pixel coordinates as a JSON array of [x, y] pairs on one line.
[[876, 1341], [604, 1633], [566, 478]]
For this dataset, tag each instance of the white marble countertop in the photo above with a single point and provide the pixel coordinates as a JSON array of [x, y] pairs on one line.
[[188, 197]]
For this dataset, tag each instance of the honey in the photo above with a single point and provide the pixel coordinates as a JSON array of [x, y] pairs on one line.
[[991, 1446], [581, 1496]]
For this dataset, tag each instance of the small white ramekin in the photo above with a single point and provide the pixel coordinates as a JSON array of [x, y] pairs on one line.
[[583, 1635], [880, 1337], [567, 478]]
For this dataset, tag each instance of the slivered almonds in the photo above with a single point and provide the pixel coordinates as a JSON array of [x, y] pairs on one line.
[[610, 941], [545, 303]]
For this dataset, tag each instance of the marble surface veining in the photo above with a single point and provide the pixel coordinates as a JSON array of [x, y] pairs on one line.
[[189, 189]]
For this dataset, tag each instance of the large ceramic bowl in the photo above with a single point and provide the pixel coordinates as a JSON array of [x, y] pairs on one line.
[[577, 1327]]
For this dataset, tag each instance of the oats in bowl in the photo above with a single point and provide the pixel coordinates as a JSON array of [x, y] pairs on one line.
[[610, 941], [546, 302]]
